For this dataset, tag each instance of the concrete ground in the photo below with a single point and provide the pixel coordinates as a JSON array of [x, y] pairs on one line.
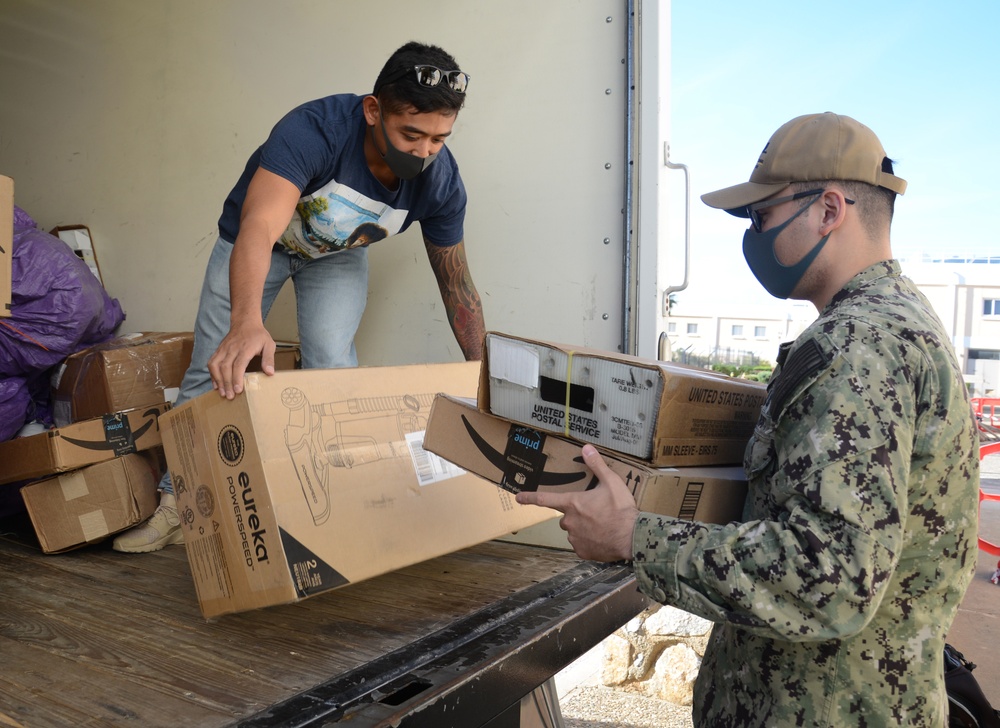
[[976, 631], [585, 703]]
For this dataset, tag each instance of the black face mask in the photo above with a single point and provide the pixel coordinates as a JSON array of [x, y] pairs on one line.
[[403, 165], [758, 248]]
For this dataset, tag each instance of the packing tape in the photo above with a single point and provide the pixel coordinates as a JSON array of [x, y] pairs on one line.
[[569, 370]]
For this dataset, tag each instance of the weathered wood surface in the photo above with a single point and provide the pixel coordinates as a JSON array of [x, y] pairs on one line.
[[98, 638]]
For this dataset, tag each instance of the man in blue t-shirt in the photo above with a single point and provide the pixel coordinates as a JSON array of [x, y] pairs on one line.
[[335, 175]]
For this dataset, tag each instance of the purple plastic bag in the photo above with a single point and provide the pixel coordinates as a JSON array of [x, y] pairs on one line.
[[15, 404], [58, 307]]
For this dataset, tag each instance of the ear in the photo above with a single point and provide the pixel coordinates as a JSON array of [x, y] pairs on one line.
[[370, 106], [834, 206]]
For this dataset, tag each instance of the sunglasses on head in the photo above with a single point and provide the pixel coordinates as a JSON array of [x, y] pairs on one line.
[[431, 76]]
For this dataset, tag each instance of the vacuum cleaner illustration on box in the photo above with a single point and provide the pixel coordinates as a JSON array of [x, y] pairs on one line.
[[346, 434]]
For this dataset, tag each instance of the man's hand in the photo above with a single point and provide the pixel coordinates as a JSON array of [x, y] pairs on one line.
[[229, 362], [268, 207], [598, 522]]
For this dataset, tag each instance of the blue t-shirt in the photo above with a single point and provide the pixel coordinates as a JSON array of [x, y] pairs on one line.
[[319, 147]]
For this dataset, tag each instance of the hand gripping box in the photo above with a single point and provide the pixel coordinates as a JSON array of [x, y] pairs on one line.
[[315, 479], [517, 457], [664, 413]]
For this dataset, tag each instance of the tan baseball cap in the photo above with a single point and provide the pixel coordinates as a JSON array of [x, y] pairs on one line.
[[810, 148]]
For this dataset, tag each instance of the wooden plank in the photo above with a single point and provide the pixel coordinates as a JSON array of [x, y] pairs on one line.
[[94, 637]]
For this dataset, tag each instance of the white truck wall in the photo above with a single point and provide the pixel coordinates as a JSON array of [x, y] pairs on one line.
[[136, 118]]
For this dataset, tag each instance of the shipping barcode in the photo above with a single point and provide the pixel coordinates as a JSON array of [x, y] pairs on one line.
[[428, 467], [422, 462]]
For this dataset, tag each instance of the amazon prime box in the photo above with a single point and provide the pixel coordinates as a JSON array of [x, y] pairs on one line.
[[516, 457], [80, 444], [667, 414]]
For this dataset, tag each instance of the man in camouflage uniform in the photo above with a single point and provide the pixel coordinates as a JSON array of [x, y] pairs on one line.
[[834, 596]]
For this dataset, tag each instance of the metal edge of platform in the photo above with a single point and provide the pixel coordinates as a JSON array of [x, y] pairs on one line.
[[477, 667]]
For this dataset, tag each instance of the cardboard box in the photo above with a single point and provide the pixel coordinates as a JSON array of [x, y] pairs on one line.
[[87, 505], [80, 444], [130, 371], [664, 413], [315, 479], [287, 356], [6, 242], [516, 458]]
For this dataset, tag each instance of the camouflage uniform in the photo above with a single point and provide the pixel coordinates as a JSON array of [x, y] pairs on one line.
[[834, 596]]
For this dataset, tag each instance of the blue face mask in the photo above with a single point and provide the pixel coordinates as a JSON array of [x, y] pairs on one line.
[[403, 165], [758, 249]]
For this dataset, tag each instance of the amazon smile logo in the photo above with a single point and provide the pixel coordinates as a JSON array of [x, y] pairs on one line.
[[527, 441], [118, 434]]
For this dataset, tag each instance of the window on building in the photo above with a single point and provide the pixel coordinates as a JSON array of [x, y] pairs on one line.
[[991, 354], [737, 330], [759, 331], [692, 328], [672, 327], [991, 307]]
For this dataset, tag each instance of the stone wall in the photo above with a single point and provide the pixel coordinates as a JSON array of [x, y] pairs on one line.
[[657, 654]]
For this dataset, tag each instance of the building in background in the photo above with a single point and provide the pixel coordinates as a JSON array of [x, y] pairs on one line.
[[964, 291]]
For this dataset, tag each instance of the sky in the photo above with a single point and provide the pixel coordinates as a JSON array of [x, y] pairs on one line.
[[925, 77]]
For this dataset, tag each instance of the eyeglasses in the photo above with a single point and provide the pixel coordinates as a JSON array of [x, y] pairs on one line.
[[753, 211], [431, 76]]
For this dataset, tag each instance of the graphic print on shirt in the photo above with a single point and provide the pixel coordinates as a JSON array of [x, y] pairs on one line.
[[336, 217]]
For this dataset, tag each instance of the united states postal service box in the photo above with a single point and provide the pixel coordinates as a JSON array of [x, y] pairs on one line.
[[127, 372], [667, 414], [87, 505], [315, 479], [6, 242], [80, 444], [521, 458]]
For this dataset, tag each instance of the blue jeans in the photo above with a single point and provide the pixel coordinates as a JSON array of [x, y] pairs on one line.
[[330, 297]]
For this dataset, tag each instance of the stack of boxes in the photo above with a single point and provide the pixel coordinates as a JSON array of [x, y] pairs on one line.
[[675, 434], [101, 465], [99, 468], [315, 479]]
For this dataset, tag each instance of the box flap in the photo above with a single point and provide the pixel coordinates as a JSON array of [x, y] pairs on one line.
[[6, 242]]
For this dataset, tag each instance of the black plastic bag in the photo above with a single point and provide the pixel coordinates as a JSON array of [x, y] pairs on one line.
[[967, 706]]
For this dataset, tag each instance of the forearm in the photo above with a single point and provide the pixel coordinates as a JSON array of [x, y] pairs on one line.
[[815, 573], [462, 303], [465, 315], [248, 269]]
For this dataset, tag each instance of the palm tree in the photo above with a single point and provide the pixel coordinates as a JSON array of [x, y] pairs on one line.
[[671, 302]]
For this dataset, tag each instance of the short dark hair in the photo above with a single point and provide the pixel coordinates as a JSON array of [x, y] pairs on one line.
[[875, 205], [397, 89]]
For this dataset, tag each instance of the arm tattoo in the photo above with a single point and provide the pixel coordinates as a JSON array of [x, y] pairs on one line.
[[462, 304]]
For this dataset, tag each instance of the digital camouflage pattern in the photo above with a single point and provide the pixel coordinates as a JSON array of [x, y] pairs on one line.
[[834, 596]]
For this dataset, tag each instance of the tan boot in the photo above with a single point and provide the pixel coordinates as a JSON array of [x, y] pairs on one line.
[[162, 529]]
